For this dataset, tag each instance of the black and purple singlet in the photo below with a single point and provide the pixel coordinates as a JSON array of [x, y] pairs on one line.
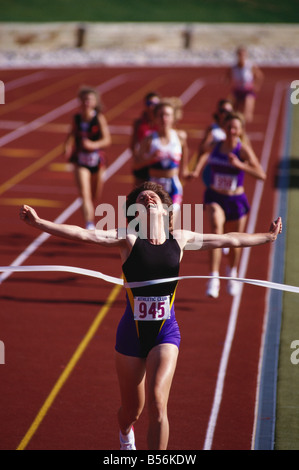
[[149, 318]]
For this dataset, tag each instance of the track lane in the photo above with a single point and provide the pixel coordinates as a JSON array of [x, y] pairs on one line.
[[201, 345], [140, 95]]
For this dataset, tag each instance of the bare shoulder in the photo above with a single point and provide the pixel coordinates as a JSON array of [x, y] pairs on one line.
[[182, 135], [187, 239], [246, 150], [126, 245]]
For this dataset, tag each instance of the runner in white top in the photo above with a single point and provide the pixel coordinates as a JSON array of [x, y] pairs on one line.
[[246, 80], [166, 152]]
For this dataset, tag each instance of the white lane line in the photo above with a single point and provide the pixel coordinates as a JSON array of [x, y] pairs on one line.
[[272, 124], [263, 433], [117, 164], [192, 90], [9, 124], [113, 168], [57, 112], [41, 238], [21, 81], [104, 87]]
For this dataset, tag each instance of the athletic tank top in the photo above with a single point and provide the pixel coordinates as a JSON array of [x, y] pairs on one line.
[[87, 129], [90, 130], [242, 77], [217, 133], [169, 155], [147, 261], [224, 176], [144, 128]]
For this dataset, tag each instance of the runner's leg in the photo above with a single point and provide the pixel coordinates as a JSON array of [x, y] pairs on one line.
[[160, 368], [131, 378], [83, 180]]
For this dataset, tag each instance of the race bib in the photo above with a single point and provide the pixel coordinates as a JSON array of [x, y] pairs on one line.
[[152, 308], [88, 158], [225, 182]]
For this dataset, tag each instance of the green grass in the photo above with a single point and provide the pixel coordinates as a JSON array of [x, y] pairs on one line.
[[248, 11], [287, 423]]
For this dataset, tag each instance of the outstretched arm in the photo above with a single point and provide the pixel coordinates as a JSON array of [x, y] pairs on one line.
[[71, 232], [240, 239], [189, 240]]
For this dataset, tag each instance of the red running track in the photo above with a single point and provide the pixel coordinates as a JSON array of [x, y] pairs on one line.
[[58, 385]]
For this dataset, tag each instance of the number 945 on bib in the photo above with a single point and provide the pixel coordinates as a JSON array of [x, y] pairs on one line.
[[152, 308]]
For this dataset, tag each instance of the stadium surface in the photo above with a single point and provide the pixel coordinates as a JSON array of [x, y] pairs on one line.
[[58, 385]]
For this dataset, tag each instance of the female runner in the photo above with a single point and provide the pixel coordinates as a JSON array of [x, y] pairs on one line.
[[225, 199], [246, 80], [166, 153], [83, 147], [142, 127], [214, 133], [148, 337]]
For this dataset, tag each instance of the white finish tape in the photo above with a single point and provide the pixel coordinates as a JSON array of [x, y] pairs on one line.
[[115, 280]]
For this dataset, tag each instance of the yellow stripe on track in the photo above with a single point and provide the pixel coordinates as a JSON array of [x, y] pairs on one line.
[[31, 201], [61, 167], [20, 153], [31, 168], [69, 368], [136, 96], [29, 98], [113, 112]]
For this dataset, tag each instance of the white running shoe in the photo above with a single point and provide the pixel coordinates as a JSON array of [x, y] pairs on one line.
[[213, 287], [89, 226], [233, 287], [127, 442]]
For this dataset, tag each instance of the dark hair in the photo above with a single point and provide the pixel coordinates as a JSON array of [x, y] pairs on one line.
[[161, 105], [86, 90], [220, 105], [151, 94], [156, 188], [235, 115]]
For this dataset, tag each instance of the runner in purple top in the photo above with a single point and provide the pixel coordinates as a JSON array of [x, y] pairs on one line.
[[225, 199]]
